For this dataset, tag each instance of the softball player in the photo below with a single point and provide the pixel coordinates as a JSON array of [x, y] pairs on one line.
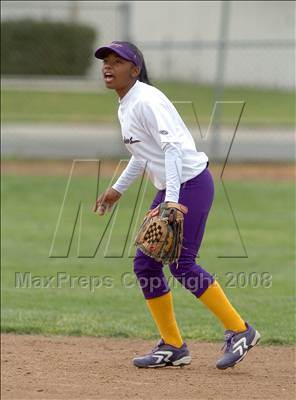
[[159, 141]]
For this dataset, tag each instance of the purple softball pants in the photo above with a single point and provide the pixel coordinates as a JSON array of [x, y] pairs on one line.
[[197, 194]]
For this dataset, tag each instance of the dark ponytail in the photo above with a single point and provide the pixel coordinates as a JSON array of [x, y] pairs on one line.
[[143, 77]]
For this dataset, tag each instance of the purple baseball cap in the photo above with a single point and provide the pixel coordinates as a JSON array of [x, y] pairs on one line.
[[123, 50]]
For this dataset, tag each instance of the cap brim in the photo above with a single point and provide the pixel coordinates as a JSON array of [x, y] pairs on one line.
[[103, 51]]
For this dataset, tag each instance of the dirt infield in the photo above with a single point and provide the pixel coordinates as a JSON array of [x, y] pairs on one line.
[[37, 367], [249, 171]]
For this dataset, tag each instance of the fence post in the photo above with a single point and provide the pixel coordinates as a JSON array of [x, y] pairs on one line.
[[125, 9], [219, 80], [73, 11]]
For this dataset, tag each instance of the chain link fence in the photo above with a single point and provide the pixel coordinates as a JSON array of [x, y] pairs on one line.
[[214, 57], [193, 42]]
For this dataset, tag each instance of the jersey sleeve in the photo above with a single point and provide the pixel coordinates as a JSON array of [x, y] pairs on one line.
[[134, 168], [158, 121], [173, 171]]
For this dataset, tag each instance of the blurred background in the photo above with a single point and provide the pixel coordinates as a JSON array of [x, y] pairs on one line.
[[54, 103]]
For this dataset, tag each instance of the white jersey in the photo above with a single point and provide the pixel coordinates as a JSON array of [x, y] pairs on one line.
[[149, 122]]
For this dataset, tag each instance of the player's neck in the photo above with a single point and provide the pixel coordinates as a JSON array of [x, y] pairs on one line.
[[123, 91]]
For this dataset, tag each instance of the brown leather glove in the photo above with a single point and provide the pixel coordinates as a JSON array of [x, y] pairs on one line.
[[161, 234]]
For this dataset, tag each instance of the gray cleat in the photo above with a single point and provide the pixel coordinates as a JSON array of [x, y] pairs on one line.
[[164, 355], [237, 346]]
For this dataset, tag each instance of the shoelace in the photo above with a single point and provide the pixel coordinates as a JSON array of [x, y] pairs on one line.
[[228, 341], [158, 344]]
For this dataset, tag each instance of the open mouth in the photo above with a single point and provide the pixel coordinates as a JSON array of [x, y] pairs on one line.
[[108, 77]]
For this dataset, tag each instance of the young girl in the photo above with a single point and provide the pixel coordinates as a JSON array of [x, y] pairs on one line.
[[161, 144]]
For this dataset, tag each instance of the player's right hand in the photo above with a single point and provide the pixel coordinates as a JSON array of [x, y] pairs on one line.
[[106, 201]]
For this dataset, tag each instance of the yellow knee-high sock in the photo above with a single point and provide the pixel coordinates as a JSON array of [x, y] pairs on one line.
[[214, 298], [162, 311]]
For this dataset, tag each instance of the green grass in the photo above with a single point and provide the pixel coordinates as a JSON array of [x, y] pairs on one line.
[[31, 205], [263, 107]]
